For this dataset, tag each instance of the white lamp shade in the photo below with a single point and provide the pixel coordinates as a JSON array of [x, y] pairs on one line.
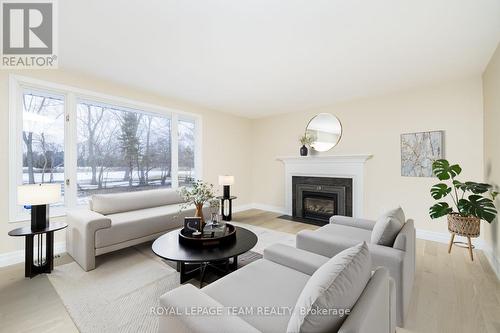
[[226, 180], [38, 194]]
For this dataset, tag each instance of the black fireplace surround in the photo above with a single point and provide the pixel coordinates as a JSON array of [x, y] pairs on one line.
[[316, 199]]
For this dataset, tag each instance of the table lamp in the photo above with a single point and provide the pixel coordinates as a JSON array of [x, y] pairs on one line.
[[39, 196], [226, 181]]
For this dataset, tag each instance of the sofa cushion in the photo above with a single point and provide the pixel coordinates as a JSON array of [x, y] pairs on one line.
[[261, 284], [123, 202], [352, 233], [387, 227], [332, 289], [139, 223]]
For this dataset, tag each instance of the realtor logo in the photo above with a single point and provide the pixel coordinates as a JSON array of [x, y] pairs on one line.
[[28, 34]]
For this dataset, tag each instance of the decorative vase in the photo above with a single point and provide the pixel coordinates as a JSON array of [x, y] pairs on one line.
[[199, 213], [303, 150], [467, 226]]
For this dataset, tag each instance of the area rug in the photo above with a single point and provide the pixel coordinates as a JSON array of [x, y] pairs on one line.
[[118, 296]]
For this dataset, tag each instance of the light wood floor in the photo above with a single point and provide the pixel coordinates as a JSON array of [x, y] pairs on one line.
[[451, 293]]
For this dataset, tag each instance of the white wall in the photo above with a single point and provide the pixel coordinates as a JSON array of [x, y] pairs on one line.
[[373, 126], [491, 93], [225, 138], [248, 148]]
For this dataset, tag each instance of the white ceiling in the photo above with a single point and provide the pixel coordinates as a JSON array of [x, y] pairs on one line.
[[260, 57]]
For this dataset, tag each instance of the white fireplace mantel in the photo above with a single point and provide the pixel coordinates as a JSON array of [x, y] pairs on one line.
[[340, 166]]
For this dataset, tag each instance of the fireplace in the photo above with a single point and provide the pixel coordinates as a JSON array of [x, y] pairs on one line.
[[316, 199]]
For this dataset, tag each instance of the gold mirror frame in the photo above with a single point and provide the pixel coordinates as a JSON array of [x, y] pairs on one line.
[[335, 133]]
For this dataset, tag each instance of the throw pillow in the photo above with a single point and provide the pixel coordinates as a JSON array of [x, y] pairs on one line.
[[332, 291], [387, 227]]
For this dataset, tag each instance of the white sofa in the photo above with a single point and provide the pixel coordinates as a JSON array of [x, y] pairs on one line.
[[274, 282], [119, 220], [344, 232]]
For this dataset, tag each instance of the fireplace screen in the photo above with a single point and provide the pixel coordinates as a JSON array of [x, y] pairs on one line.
[[316, 199], [317, 206]]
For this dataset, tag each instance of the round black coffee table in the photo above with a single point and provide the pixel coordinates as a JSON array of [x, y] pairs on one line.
[[193, 261]]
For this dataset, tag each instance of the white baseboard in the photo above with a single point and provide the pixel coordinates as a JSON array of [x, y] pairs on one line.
[[269, 208], [16, 257], [444, 237], [242, 208], [440, 237], [492, 259]]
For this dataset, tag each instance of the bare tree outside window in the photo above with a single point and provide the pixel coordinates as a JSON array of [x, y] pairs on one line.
[[116, 148], [121, 150], [186, 152], [43, 139]]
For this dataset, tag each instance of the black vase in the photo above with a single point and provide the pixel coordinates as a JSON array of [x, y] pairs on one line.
[[303, 150]]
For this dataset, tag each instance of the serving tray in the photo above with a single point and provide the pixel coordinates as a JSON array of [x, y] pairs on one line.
[[206, 239]]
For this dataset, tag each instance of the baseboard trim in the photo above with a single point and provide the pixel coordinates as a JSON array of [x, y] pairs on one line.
[[269, 208], [16, 257], [444, 237], [492, 258], [440, 237], [242, 208]]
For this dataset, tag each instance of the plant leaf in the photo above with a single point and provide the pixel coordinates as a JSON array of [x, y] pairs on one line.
[[443, 170], [440, 209], [479, 207], [476, 188], [440, 190], [458, 184]]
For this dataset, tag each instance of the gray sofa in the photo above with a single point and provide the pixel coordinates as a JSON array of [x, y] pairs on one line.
[[276, 281], [344, 232], [119, 220]]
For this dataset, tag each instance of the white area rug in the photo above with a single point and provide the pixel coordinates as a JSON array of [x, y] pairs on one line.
[[118, 295]]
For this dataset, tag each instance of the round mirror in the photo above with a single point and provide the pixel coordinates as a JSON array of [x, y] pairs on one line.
[[325, 131]]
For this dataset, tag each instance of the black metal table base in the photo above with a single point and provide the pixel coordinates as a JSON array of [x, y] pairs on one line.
[[34, 267], [189, 271], [41, 261]]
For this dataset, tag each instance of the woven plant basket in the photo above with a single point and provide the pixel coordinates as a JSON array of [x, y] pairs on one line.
[[468, 226]]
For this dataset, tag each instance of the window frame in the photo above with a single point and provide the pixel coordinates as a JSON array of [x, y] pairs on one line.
[[18, 84]]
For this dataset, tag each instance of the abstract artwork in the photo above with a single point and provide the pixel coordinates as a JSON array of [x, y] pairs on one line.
[[418, 151]]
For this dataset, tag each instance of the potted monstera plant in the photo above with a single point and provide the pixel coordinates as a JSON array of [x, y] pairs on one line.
[[472, 202]]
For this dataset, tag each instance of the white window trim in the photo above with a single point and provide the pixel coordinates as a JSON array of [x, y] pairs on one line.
[[18, 83]]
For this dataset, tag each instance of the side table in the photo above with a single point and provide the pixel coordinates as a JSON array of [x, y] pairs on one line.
[[227, 216], [32, 268]]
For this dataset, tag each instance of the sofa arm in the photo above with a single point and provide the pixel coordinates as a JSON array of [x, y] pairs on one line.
[[323, 244], [188, 309], [297, 259], [80, 235], [399, 263], [353, 222], [374, 309]]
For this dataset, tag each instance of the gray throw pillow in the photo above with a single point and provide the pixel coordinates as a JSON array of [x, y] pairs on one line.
[[332, 291], [387, 227]]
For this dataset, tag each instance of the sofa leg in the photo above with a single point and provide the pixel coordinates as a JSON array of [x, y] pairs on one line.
[[451, 242]]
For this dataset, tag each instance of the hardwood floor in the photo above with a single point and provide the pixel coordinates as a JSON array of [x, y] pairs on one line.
[[451, 293], [31, 305]]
